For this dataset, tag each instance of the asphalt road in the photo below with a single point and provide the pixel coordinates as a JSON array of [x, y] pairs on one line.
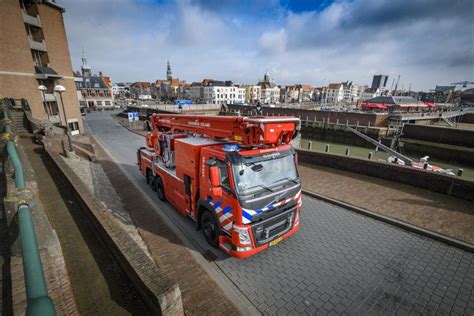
[[338, 263]]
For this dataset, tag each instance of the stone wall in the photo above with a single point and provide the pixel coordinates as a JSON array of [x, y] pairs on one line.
[[467, 118], [49, 247], [451, 153], [336, 133], [436, 134], [161, 294], [363, 119], [423, 179]]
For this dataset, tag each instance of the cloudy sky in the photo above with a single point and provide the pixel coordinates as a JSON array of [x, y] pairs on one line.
[[427, 42]]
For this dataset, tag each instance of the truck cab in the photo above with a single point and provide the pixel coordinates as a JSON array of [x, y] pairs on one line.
[[255, 195]]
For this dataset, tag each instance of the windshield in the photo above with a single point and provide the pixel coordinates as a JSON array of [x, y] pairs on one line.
[[264, 175]]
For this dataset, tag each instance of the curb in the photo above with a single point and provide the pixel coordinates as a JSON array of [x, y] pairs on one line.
[[131, 130], [401, 224]]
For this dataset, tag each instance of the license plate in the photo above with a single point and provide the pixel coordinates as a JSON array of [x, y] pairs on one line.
[[275, 241]]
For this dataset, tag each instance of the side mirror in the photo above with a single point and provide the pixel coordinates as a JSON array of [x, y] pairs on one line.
[[214, 175]]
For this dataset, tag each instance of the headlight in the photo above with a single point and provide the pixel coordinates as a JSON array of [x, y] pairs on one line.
[[244, 237]]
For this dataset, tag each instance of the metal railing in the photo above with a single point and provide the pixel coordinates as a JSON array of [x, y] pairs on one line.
[[38, 301]]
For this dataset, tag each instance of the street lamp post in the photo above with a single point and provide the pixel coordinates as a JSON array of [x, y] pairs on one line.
[[43, 88], [60, 89]]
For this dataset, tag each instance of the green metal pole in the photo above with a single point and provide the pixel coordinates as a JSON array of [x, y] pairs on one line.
[[6, 128], [36, 291], [38, 301], [19, 179]]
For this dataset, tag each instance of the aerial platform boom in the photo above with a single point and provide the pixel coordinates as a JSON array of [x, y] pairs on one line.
[[264, 130]]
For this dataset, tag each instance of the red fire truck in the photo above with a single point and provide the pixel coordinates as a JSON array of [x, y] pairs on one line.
[[235, 176]]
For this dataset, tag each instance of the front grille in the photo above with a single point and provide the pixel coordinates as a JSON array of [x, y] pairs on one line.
[[274, 212], [266, 230]]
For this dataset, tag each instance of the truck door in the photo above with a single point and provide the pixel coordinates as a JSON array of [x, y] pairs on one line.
[[223, 206]]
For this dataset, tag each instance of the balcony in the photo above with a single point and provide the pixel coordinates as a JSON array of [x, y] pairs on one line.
[[46, 72], [32, 20], [41, 46]]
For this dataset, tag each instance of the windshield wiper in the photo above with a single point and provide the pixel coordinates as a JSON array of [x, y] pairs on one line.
[[262, 186], [286, 178]]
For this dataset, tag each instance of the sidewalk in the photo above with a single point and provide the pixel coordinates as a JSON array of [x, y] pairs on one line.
[[433, 211], [200, 294], [98, 283]]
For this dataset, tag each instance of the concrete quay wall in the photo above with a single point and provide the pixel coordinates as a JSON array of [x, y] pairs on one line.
[[451, 153], [467, 118], [424, 179], [437, 134], [336, 133], [363, 119]]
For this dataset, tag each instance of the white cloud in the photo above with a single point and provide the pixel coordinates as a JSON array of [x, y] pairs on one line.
[[273, 42], [427, 43]]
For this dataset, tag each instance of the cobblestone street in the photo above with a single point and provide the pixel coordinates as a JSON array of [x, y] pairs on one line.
[[339, 262]]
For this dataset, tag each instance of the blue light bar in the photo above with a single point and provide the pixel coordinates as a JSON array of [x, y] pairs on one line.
[[231, 147]]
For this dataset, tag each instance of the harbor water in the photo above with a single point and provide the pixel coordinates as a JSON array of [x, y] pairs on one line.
[[363, 152]]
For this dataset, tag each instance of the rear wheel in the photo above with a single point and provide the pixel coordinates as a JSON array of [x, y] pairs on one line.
[[149, 176], [210, 229], [160, 190]]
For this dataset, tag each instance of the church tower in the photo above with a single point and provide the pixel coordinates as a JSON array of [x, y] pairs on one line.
[[86, 70], [169, 75]]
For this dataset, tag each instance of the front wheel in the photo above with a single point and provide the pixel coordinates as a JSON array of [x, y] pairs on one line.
[[210, 229]]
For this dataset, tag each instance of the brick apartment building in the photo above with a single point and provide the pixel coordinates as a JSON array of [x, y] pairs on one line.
[[34, 51]]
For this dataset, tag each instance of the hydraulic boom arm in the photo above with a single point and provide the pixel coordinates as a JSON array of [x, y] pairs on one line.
[[264, 130]]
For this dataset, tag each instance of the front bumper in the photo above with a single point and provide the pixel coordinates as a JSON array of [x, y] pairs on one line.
[[254, 250], [265, 232]]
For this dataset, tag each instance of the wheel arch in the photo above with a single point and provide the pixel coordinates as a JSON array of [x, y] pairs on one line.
[[203, 206]]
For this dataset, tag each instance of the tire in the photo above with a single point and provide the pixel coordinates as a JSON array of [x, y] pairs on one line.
[[148, 176], [153, 183], [210, 228], [160, 189]]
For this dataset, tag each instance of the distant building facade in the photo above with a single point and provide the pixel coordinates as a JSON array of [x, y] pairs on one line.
[[253, 93], [222, 92], [270, 93], [335, 92], [351, 92], [35, 52], [379, 82], [140, 90], [296, 93], [93, 91], [121, 90]]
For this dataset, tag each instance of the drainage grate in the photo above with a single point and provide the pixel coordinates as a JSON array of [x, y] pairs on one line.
[[209, 255]]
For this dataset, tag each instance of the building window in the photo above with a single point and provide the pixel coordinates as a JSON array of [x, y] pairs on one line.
[[99, 103], [73, 126], [107, 102]]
